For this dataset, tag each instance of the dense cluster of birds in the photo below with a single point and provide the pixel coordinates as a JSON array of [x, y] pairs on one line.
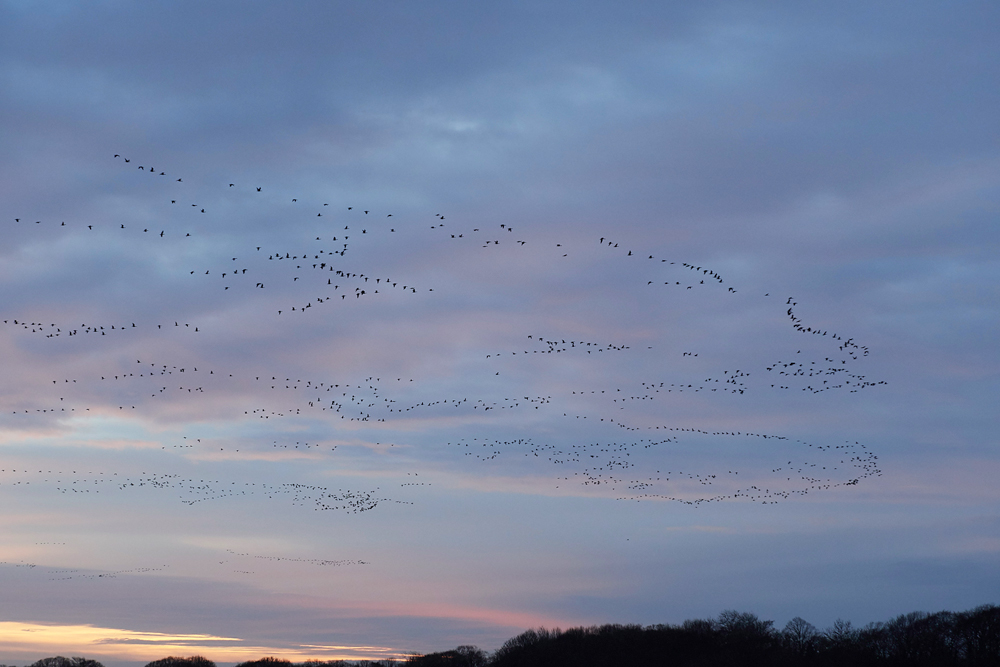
[[191, 491], [632, 455], [613, 465], [322, 562]]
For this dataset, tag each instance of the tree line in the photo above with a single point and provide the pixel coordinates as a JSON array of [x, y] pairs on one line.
[[733, 639]]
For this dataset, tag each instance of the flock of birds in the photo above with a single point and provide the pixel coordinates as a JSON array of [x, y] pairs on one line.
[[623, 450], [611, 465], [235, 561], [192, 491]]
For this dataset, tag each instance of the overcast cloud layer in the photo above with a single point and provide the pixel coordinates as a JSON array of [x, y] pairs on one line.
[[353, 329]]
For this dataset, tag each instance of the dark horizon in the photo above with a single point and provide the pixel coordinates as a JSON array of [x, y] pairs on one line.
[[917, 639]]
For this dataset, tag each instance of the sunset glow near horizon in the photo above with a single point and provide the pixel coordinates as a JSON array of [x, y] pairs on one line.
[[354, 330]]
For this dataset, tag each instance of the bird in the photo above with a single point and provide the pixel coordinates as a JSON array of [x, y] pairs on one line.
[[613, 457]]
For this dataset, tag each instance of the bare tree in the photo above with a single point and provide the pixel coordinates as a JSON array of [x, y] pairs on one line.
[[59, 661], [801, 637]]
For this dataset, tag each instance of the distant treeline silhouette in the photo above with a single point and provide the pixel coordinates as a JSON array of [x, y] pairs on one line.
[[740, 639], [734, 639]]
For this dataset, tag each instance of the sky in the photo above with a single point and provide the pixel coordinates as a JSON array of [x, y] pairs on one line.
[[359, 329]]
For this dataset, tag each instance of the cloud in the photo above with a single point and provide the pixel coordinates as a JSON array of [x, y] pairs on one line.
[[845, 157], [28, 639]]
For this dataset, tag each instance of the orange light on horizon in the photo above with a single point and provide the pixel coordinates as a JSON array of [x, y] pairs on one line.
[[19, 640]]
